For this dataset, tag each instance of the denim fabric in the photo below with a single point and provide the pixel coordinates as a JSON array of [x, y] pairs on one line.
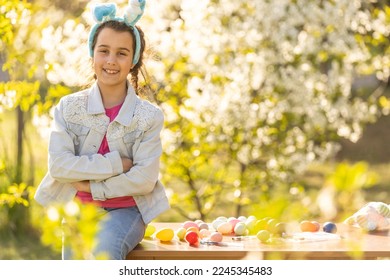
[[121, 229]]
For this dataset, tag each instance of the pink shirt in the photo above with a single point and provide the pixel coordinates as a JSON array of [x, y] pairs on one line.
[[118, 202]]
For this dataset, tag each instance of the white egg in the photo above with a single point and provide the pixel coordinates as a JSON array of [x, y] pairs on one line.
[[225, 228]]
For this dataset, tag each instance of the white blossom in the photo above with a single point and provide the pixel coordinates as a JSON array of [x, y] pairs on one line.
[[283, 67]]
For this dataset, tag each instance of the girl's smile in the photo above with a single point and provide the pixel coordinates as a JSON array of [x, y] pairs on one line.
[[111, 71]]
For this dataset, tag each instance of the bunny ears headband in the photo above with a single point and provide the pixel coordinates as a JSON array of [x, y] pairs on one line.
[[105, 12]]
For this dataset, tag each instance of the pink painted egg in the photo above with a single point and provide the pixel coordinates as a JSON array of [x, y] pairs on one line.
[[216, 237], [189, 224], [234, 221]]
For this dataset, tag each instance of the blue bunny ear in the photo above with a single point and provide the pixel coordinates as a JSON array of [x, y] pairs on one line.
[[102, 12], [134, 11]]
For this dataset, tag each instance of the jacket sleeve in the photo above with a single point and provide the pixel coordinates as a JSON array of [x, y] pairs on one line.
[[143, 176], [66, 167]]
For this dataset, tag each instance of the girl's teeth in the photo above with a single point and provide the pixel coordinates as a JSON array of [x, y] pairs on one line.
[[111, 71]]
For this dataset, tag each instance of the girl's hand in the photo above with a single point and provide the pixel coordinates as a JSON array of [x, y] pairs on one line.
[[127, 164], [82, 186]]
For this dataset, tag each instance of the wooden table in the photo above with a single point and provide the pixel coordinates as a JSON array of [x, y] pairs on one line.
[[353, 244]]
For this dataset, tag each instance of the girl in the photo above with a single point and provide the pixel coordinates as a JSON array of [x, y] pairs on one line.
[[105, 145]]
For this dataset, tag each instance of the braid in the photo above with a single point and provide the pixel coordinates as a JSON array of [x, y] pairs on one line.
[[134, 78], [137, 68]]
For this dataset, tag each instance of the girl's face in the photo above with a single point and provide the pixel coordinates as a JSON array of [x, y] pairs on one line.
[[113, 56]]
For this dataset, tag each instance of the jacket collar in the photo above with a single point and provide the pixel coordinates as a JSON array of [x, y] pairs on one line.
[[125, 115]]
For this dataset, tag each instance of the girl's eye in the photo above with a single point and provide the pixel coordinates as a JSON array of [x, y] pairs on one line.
[[123, 53], [103, 51]]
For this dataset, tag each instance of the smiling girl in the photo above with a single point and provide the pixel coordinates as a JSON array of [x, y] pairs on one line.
[[105, 142]]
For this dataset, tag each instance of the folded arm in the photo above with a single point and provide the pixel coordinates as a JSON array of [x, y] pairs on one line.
[[143, 175], [66, 167], [85, 186]]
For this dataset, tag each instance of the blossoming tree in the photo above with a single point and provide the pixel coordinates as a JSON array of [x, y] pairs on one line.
[[253, 91]]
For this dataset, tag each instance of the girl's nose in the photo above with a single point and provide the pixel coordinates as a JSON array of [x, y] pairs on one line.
[[111, 60]]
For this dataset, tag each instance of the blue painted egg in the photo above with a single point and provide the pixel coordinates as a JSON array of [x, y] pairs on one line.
[[330, 227]]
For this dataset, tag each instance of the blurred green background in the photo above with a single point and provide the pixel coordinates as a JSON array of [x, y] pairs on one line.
[[272, 108]]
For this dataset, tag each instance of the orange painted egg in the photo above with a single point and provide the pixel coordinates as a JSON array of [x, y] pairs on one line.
[[317, 225], [308, 226]]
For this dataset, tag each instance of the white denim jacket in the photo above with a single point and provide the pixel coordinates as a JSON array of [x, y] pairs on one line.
[[79, 126]]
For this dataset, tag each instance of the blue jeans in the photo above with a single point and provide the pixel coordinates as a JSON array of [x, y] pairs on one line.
[[120, 231]]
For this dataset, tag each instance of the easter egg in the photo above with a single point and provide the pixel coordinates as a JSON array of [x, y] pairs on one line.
[[260, 225], [189, 224], [267, 218], [242, 218], [150, 229], [329, 227], [225, 228], [191, 237], [165, 234], [203, 225], [181, 232], [263, 235], [271, 223], [216, 237], [216, 223], [203, 233], [195, 229], [233, 222], [251, 217], [308, 226], [280, 228], [240, 228], [317, 225], [251, 225]]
